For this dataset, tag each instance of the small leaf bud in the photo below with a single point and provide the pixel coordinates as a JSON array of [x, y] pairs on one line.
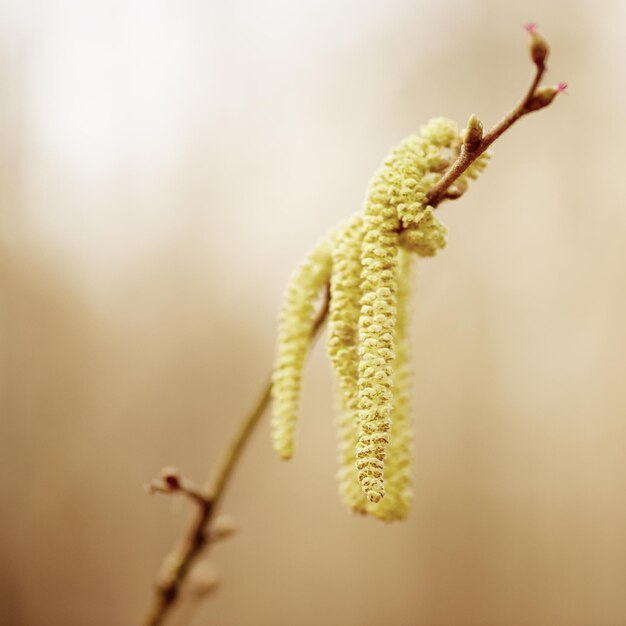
[[473, 134], [203, 580], [222, 528]]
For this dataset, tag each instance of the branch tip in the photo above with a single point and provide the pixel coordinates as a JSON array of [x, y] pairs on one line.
[[543, 96], [172, 481], [537, 46], [171, 477]]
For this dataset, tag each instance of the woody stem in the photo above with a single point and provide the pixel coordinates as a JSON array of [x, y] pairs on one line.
[[197, 538], [467, 156]]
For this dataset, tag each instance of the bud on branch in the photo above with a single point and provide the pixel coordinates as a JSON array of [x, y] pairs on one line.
[[537, 45]]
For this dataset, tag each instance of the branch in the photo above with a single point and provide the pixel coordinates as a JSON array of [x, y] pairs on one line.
[[475, 143], [204, 530]]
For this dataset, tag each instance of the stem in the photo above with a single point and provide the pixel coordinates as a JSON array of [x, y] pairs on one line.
[[466, 157], [197, 538]]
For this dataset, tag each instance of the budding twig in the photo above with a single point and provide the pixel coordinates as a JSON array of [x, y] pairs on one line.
[[535, 98], [203, 530]]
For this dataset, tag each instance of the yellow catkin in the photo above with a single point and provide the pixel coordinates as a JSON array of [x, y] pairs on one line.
[[396, 199], [368, 258], [426, 235], [345, 295], [440, 132], [350, 489], [397, 502], [294, 338], [379, 286]]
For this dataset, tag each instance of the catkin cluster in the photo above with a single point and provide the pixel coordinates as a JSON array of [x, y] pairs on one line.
[[366, 265]]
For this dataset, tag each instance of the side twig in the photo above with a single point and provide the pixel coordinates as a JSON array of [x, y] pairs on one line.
[[204, 529], [475, 144]]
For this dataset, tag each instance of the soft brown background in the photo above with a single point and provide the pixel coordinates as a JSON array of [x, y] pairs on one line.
[[164, 165]]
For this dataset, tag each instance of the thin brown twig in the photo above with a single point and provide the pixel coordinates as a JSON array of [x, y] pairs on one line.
[[198, 536], [171, 481], [467, 156]]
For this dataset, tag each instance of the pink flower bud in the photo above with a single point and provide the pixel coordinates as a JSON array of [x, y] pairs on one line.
[[544, 96], [537, 45]]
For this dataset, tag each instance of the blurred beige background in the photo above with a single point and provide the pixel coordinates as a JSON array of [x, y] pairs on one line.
[[164, 165]]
